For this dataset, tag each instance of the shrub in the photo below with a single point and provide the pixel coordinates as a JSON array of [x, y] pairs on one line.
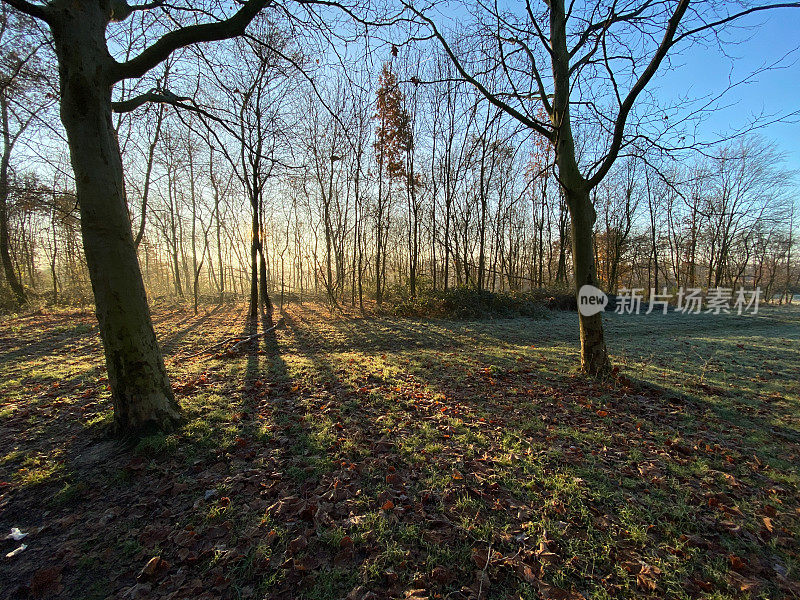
[[470, 303]]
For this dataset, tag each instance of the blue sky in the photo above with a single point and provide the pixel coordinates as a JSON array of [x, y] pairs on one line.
[[756, 41], [777, 91]]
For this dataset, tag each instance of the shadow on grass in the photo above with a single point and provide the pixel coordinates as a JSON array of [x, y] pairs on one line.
[[483, 437], [171, 342]]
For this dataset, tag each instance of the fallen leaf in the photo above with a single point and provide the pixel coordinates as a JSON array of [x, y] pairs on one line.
[[155, 568], [46, 582], [441, 575], [549, 592], [646, 577], [737, 564], [480, 557], [297, 544], [741, 583]]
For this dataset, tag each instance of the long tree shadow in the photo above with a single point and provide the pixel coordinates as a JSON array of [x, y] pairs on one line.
[[620, 441], [265, 345], [461, 446], [266, 371], [171, 342]]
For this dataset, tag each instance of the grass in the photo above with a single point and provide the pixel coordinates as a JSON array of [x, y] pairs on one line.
[[351, 454]]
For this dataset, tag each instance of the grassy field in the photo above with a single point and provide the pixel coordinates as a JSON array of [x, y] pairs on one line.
[[349, 457]]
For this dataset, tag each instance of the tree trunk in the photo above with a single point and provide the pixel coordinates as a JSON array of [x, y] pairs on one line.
[[192, 193], [220, 264], [254, 233], [379, 234], [148, 174], [5, 245], [482, 224], [563, 234], [594, 356], [266, 303], [141, 392], [446, 275]]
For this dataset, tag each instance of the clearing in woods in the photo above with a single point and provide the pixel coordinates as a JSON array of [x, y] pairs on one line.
[[375, 458]]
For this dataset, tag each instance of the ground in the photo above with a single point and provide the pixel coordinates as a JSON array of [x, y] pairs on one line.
[[348, 457]]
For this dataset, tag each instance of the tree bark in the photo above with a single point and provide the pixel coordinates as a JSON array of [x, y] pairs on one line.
[[141, 392], [5, 244], [252, 311], [594, 356]]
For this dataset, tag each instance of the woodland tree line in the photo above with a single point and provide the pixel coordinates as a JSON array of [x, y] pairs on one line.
[[310, 153]]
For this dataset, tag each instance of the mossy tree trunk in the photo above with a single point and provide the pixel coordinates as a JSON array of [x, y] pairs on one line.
[[576, 190], [142, 396], [141, 391]]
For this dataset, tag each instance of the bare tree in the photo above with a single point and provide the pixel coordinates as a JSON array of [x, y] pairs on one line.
[[23, 97], [602, 56], [142, 395]]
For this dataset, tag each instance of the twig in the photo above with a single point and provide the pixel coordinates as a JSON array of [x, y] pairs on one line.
[[241, 340], [486, 566], [257, 335], [214, 347]]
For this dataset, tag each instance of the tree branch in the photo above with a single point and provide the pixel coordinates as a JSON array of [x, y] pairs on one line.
[[121, 10], [32, 10], [619, 126], [733, 17], [492, 98], [186, 36], [154, 95]]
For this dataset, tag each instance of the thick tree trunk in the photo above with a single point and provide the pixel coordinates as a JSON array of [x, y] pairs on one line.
[[141, 392], [594, 356]]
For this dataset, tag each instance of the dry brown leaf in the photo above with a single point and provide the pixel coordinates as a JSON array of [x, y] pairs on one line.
[[768, 524], [743, 584], [736, 563], [155, 568], [549, 592], [441, 575], [46, 582], [297, 544], [480, 557]]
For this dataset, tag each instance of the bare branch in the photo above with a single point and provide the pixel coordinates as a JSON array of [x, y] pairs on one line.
[[491, 97], [734, 17], [154, 95], [185, 36], [33, 10], [619, 127], [121, 10]]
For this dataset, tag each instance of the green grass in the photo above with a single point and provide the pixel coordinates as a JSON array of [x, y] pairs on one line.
[[421, 442]]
